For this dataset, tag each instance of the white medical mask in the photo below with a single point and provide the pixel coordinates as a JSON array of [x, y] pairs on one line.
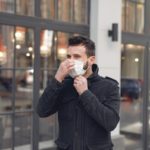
[[79, 69]]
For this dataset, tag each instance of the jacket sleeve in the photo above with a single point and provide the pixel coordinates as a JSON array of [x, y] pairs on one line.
[[49, 100], [104, 112]]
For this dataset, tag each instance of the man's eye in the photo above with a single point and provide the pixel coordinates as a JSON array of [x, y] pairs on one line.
[[68, 56]]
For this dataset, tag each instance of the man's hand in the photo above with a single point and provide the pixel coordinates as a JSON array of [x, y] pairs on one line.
[[64, 69], [80, 84]]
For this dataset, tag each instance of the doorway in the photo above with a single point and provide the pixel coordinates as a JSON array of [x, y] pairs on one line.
[[134, 124]]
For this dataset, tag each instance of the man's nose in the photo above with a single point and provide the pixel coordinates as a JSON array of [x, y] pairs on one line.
[[72, 58]]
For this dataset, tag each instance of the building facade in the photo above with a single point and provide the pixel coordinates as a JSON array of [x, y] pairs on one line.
[[33, 42]]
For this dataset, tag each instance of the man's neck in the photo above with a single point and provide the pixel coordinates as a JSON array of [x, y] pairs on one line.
[[88, 73]]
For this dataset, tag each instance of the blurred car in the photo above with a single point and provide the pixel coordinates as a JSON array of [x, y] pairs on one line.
[[130, 88]]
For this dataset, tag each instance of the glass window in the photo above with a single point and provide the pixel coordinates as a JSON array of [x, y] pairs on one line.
[[19, 40], [131, 112], [24, 44], [133, 55], [22, 7], [24, 89], [140, 18], [6, 86], [23, 131], [123, 15], [75, 11], [25, 7], [48, 129], [81, 11], [133, 16], [16, 75], [130, 16], [6, 46], [5, 132], [7, 6], [48, 9], [17, 51]]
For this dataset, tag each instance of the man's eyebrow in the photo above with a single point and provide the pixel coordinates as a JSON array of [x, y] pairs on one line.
[[77, 55]]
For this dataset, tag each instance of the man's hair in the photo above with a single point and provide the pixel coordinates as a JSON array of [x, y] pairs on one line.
[[86, 42]]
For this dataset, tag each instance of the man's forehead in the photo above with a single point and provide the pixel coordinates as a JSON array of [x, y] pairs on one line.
[[80, 48]]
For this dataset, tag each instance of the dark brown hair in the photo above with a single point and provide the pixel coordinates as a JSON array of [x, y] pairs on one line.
[[86, 42]]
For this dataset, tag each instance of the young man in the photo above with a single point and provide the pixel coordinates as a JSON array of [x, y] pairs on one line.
[[87, 104]]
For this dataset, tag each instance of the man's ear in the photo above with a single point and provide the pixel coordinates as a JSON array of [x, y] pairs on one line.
[[92, 60]]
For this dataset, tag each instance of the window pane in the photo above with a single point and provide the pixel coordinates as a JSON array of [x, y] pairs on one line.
[[7, 6], [130, 17], [48, 9], [65, 10], [19, 40], [123, 15], [24, 47], [5, 132], [81, 11], [140, 18], [23, 131], [6, 78], [131, 110], [48, 128], [25, 7], [74, 11], [133, 16], [24, 89], [6, 46]]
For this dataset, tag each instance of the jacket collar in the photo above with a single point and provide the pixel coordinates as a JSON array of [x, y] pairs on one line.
[[95, 70]]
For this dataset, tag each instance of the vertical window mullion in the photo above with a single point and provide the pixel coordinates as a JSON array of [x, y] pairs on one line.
[[56, 9], [36, 88], [37, 10], [13, 93]]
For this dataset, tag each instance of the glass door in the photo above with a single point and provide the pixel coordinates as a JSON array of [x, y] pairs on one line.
[[135, 81], [132, 77]]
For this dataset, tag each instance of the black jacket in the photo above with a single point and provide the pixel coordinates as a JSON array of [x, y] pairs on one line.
[[85, 121]]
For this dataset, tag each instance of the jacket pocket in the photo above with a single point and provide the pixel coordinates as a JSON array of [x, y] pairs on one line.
[[62, 145]]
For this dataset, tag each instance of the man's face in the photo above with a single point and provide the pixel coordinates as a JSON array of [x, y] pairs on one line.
[[77, 53]]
